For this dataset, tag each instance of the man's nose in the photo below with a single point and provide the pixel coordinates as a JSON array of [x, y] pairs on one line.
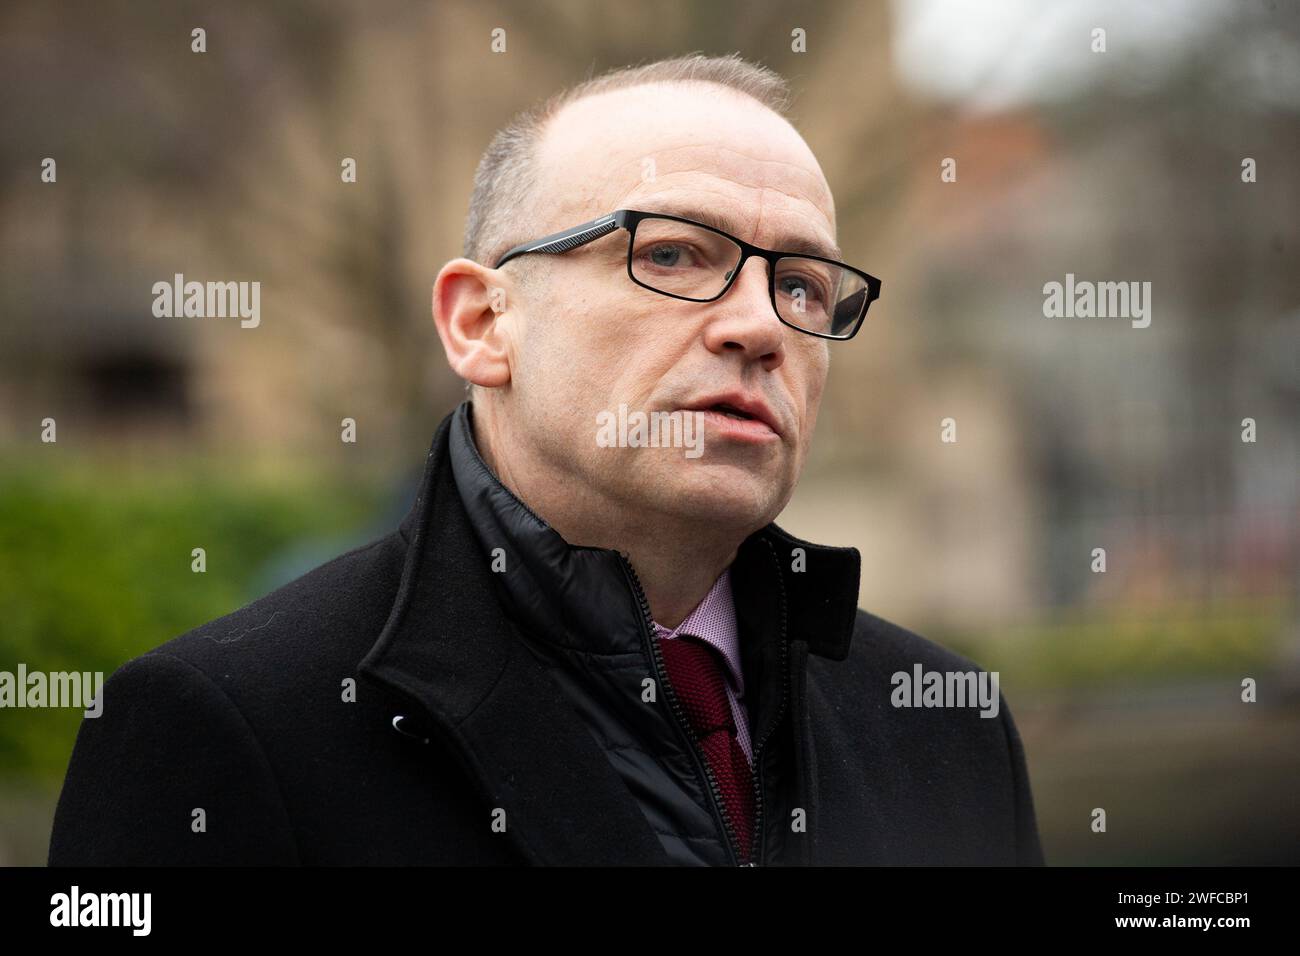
[[744, 319]]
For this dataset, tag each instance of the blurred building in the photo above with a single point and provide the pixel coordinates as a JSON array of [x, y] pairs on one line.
[[1071, 434]]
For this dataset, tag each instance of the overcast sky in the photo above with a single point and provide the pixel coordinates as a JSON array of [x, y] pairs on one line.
[[992, 55]]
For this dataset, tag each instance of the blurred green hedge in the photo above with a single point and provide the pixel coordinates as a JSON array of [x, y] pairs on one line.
[[1088, 648], [95, 568]]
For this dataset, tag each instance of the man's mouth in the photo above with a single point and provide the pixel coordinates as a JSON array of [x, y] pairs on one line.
[[730, 411], [739, 406]]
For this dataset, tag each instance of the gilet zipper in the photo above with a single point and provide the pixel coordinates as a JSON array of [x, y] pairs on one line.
[[760, 843], [688, 734]]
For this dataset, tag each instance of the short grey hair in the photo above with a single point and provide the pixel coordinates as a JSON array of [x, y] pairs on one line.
[[507, 172]]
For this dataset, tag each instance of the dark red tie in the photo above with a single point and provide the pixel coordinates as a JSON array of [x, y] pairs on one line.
[[696, 671]]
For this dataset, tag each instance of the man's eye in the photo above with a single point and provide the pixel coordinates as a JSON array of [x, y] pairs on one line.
[[667, 255], [811, 290]]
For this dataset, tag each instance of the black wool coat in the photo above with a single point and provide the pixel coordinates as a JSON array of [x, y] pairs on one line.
[[404, 703]]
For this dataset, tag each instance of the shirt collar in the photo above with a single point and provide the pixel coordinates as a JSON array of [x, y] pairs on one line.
[[714, 621]]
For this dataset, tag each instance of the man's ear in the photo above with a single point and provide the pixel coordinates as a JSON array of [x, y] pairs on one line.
[[469, 301]]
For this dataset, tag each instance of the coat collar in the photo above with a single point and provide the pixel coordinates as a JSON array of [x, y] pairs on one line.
[[452, 653], [578, 596]]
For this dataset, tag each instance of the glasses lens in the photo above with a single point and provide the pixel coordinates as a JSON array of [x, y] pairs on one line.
[[682, 259], [819, 296]]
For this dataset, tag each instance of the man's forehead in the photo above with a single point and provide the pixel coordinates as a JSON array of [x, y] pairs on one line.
[[663, 139]]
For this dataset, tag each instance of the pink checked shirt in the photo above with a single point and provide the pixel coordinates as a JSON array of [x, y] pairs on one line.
[[714, 620]]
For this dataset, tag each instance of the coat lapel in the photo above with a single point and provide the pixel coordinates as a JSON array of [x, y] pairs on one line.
[[449, 649]]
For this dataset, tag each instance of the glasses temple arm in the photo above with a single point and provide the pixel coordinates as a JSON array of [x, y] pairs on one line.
[[566, 240]]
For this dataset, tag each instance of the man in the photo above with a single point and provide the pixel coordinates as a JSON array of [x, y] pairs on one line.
[[581, 647]]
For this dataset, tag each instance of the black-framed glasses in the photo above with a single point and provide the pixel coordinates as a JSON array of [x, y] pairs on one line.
[[688, 260]]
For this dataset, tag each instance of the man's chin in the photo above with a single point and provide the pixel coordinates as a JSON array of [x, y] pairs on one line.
[[719, 504]]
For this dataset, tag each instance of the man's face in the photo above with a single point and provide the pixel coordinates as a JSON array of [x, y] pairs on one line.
[[588, 339]]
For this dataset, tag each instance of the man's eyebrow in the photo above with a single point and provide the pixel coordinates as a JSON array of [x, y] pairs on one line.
[[721, 220]]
